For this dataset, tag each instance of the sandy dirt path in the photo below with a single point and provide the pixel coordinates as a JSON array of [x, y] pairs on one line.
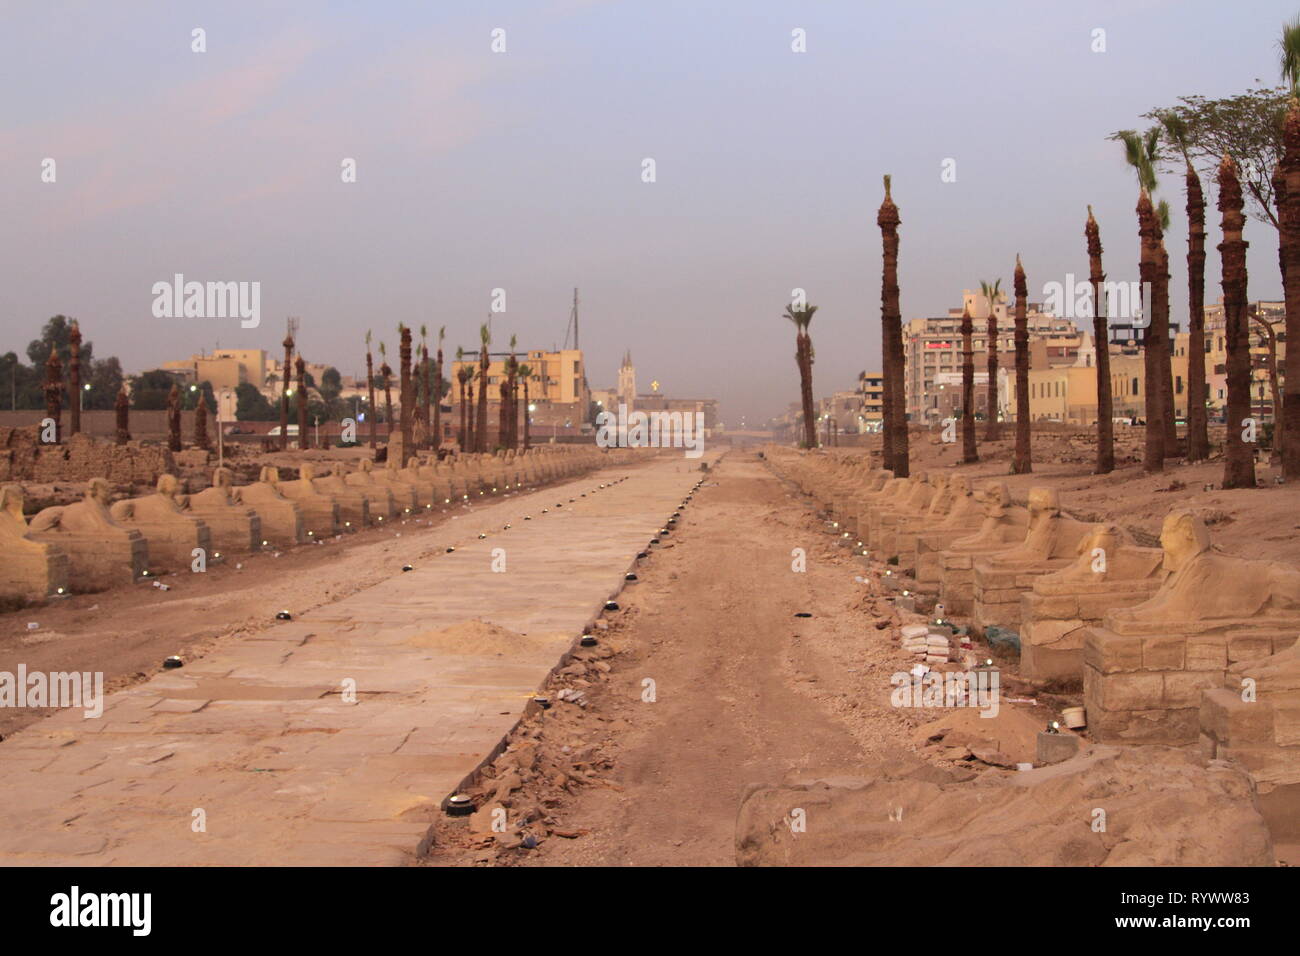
[[745, 691]]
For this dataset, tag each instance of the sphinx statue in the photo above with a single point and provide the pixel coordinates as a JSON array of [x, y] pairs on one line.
[[1146, 665], [101, 553], [1111, 571], [384, 503], [281, 518], [234, 526], [918, 542], [30, 570], [1002, 578], [353, 505], [410, 475], [320, 512], [172, 534], [1004, 526], [914, 503]]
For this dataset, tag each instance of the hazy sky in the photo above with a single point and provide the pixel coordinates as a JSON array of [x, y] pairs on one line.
[[523, 170]]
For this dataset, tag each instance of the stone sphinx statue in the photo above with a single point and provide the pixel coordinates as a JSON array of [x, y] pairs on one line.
[[380, 494], [171, 533], [354, 506], [1204, 585], [234, 526], [281, 518], [1002, 578], [914, 503], [1146, 666], [320, 512], [30, 570], [1108, 560], [919, 541], [101, 553], [1004, 527]]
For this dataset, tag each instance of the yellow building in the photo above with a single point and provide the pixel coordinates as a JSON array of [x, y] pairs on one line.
[[224, 368], [558, 377]]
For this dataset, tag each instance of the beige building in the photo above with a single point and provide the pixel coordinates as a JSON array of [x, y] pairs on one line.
[[933, 351], [559, 379], [224, 368]]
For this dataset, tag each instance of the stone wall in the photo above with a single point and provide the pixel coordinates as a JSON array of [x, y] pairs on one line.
[[24, 458]]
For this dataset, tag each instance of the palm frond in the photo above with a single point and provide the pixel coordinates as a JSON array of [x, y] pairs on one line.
[[1289, 54]]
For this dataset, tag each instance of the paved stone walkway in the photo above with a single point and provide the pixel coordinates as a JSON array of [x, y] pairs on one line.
[[256, 739]]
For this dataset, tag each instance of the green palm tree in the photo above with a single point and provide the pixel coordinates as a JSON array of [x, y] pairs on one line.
[[484, 361], [525, 373], [1141, 152], [803, 354], [463, 373]]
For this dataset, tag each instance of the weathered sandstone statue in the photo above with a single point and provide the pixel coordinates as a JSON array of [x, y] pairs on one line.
[[1145, 666], [1003, 577], [320, 512], [1005, 526], [234, 526], [282, 522], [172, 534], [354, 506], [1110, 572], [101, 553], [383, 502], [30, 570]]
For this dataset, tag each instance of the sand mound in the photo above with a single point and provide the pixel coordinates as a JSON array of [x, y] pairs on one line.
[[1162, 808], [477, 637]]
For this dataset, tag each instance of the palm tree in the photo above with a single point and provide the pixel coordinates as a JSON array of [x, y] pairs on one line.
[[284, 398], [1269, 335], [1022, 463], [370, 387], [462, 379], [1239, 462], [422, 382], [1139, 151], [484, 362], [1198, 437], [406, 392], [891, 320], [803, 356], [1286, 187], [992, 292], [386, 374], [969, 451], [525, 373], [437, 392], [1101, 347]]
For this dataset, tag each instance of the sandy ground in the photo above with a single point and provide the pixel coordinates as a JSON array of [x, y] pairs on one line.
[[746, 694], [1250, 523]]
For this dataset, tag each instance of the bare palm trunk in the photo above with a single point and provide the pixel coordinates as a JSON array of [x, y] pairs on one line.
[[1101, 343], [803, 357], [1239, 461], [122, 408], [1148, 266], [387, 374], [1022, 463], [406, 392], [437, 402], [201, 423], [74, 376], [970, 452], [526, 430], [992, 428], [302, 402], [370, 389], [1198, 433], [481, 429], [54, 392], [461, 436], [891, 317], [426, 396], [284, 394], [1289, 259]]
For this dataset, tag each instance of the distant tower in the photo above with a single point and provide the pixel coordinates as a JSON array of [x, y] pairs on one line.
[[627, 382]]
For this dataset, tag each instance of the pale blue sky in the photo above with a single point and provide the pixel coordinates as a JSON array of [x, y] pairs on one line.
[[522, 170]]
